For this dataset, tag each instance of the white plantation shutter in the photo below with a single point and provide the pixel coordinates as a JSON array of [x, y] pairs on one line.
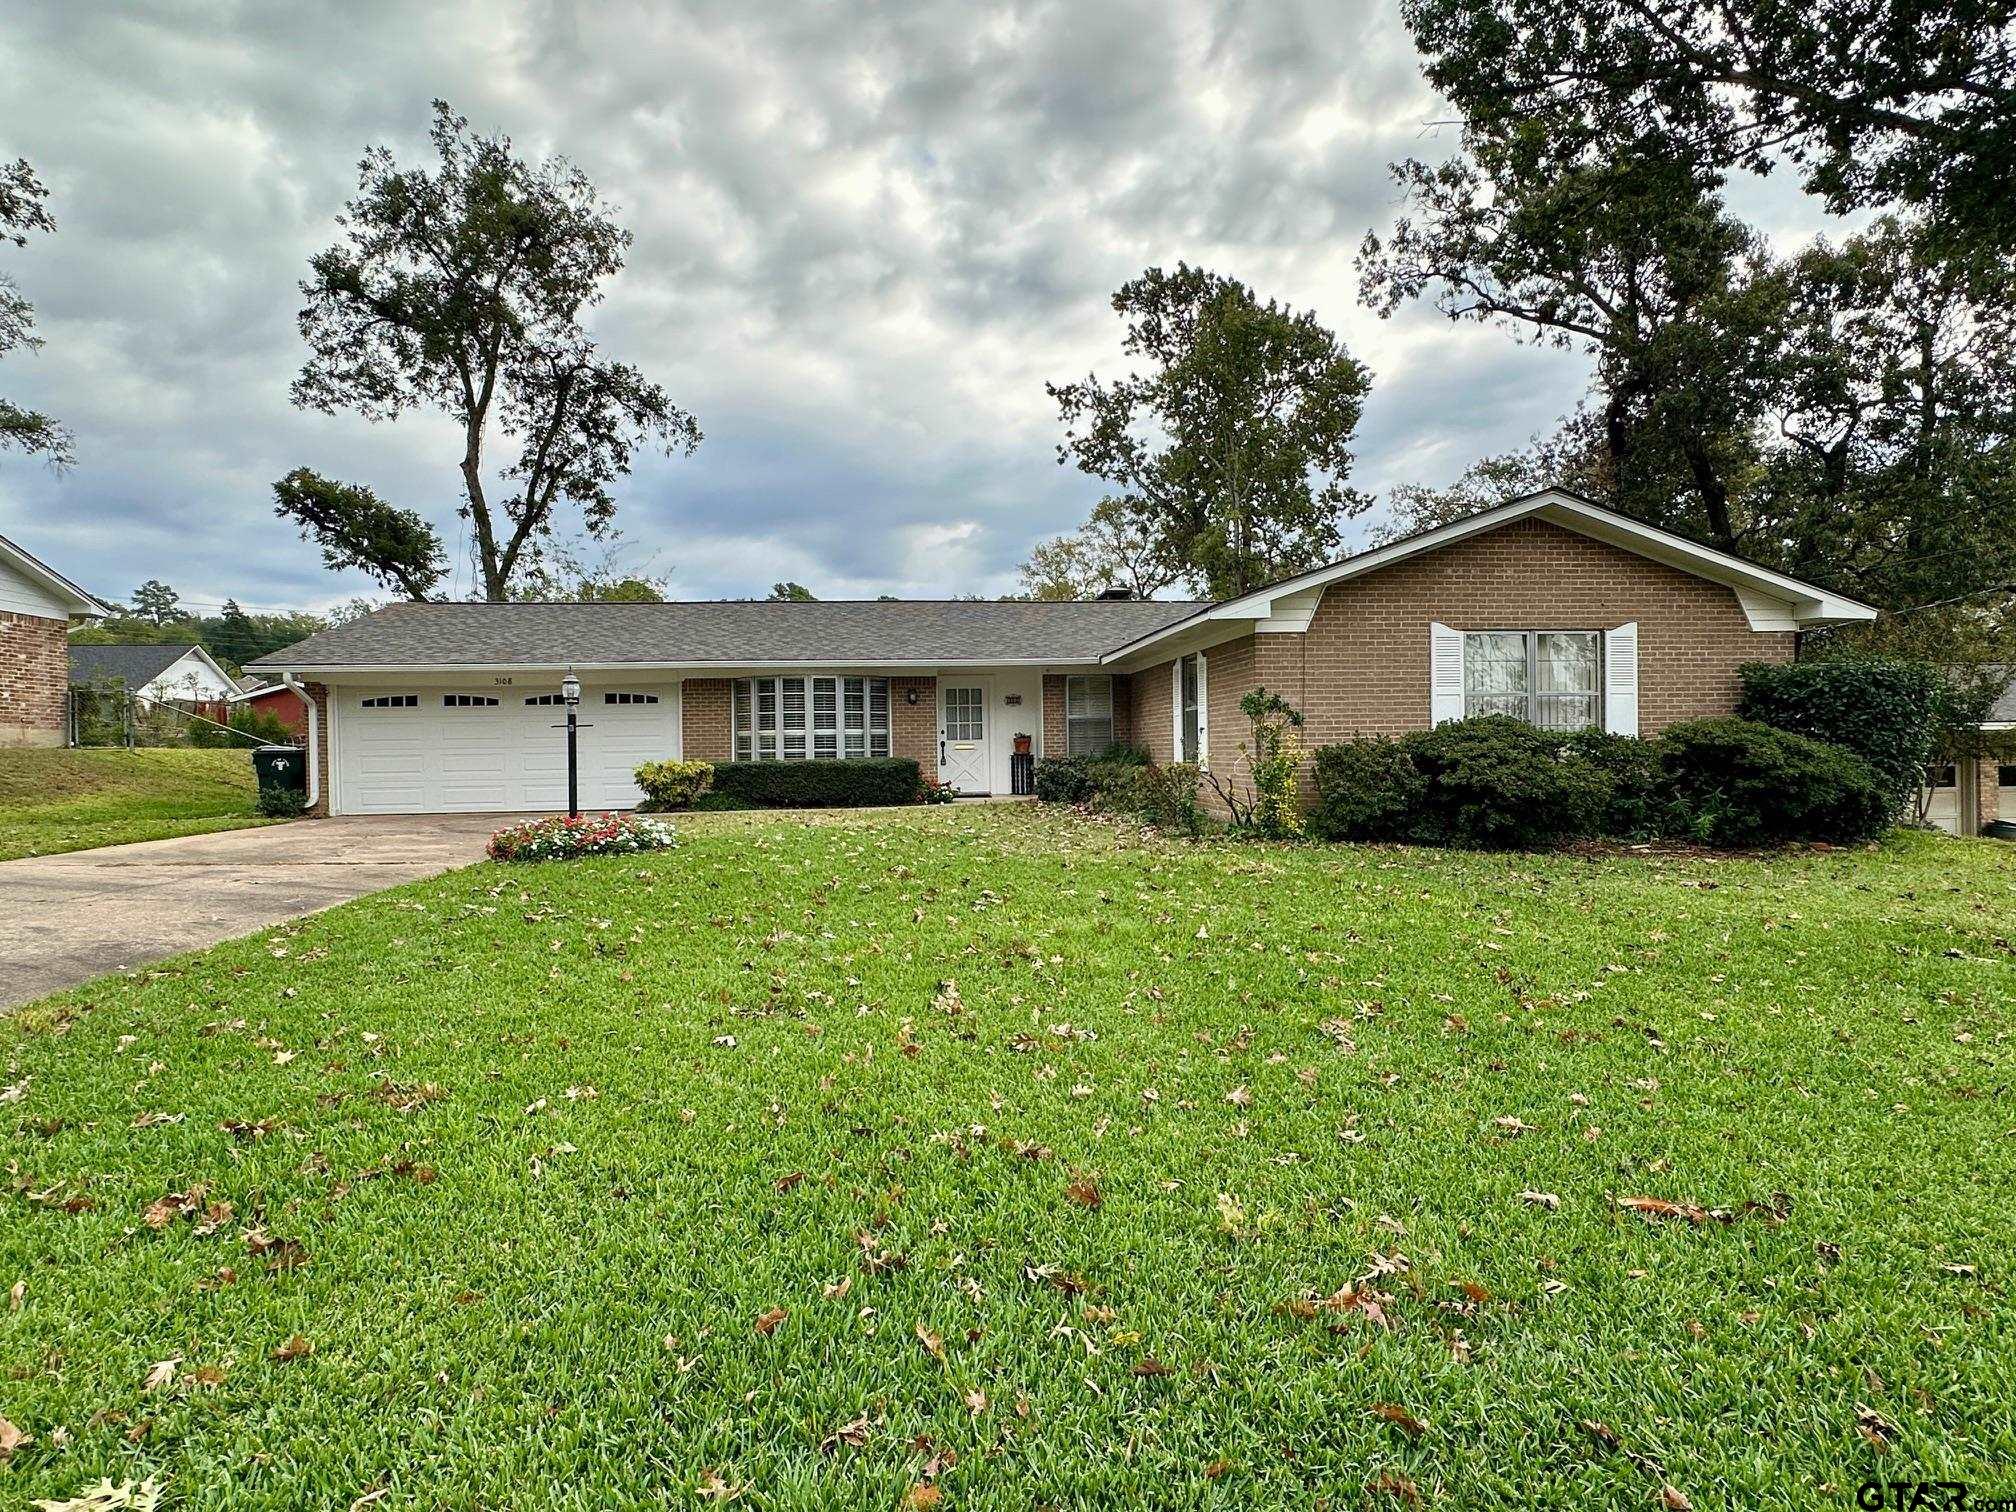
[[1445, 674], [1176, 709], [1620, 680]]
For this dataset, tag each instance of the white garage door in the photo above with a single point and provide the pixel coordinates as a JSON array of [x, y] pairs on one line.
[[458, 750]]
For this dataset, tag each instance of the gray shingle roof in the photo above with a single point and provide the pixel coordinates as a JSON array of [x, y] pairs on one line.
[[2004, 711], [137, 665], [729, 633]]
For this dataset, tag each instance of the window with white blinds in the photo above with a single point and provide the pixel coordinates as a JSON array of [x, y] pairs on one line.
[[1088, 715], [810, 718]]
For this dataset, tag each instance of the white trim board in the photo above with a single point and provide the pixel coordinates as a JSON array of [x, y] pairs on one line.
[[1770, 600]]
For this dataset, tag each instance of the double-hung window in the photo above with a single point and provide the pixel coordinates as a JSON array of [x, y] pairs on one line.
[[1088, 715], [810, 718], [1550, 678], [1192, 739]]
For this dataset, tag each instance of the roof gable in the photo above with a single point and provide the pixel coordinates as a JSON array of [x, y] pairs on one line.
[[135, 665], [21, 563], [1771, 600]]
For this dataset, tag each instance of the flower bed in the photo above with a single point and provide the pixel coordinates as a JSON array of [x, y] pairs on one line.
[[560, 838]]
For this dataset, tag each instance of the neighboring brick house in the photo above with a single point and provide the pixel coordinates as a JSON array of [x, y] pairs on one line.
[[1548, 607], [37, 606]]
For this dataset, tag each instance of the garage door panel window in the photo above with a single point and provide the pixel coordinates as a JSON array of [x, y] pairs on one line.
[[629, 698], [810, 718], [467, 701], [390, 701], [1550, 678]]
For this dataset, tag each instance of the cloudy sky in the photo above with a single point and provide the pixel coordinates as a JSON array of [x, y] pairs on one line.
[[866, 234]]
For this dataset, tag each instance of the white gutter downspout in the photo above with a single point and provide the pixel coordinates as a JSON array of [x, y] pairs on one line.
[[314, 745]]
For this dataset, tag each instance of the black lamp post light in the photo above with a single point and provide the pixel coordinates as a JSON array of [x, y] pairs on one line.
[[570, 693]]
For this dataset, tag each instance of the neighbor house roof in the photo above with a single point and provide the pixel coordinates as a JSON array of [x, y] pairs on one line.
[[2002, 715], [50, 580], [1770, 599], [137, 665], [728, 633]]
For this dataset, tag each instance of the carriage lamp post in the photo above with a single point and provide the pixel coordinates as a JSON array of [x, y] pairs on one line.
[[570, 691]]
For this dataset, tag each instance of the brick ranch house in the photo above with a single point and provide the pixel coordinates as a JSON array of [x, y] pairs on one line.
[[37, 606], [1548, 607]]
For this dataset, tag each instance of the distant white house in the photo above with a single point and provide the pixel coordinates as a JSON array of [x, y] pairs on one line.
[[155, 674]]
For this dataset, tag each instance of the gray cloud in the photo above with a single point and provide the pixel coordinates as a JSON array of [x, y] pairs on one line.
[[865, 236]]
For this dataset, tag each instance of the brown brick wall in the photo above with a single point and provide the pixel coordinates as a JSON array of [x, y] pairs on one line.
[[706, 719], [913, 728], [1987, 789], [320, 694], [1152, 712], [34, 680], [1362, 668]]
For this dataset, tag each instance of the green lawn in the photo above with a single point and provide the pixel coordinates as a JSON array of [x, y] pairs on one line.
[[983, 1157], [53, 801]]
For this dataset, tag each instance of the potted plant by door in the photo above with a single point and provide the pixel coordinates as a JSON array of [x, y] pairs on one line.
[[1022, 743]]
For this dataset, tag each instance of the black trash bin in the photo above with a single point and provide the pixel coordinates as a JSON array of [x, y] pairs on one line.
[[281, 766]]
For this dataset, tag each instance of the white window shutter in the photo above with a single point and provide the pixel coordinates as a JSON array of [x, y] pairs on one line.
[[1203, 715], [1445, 677], [1620, 680], [1176, 709]]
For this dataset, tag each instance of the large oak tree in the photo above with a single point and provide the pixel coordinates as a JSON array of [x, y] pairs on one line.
[[463, 289], [22, 211], [1231, 444]]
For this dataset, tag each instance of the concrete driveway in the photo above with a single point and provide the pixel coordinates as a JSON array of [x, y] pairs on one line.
[[74, 917]]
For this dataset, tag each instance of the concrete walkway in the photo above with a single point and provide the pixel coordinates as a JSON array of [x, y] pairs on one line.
[[67, 919]]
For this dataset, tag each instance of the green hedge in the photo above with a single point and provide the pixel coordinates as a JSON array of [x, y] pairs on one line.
[[1742, 783], [1883, 710], [860, 782], [1498, 782]]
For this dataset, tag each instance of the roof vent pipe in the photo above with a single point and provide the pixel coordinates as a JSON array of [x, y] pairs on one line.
[[1115, 595]]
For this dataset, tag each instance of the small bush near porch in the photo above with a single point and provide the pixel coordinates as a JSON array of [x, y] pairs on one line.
[[993, 1158]]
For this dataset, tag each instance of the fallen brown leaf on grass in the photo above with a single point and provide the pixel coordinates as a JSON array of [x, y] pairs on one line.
[[767, 1323], [785, 1183], [715, 1487], [924, 1497], [931, 1341], [853, 1433], [12, 1438], [1546, 1200], [1397, 1486], [295, 1348], [1400, 1418], [1085, 1192], [161, 1374], [833, 1291], [1674, 1500], [1600, 1433], [1151, 1367], [1653, 1209]]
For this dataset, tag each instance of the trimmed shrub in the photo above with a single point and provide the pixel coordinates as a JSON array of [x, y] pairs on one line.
[[1064, 779], [559, 838], [1115, 785], [1638, 807], [1744, 783], [1881, 709], [1498, 782], [856, 782], [277, 802], [1365, 790], [673, 784], [1167, 796], [1119, 753]]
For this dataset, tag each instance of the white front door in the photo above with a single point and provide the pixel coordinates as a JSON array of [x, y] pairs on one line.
[[962, 736]]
